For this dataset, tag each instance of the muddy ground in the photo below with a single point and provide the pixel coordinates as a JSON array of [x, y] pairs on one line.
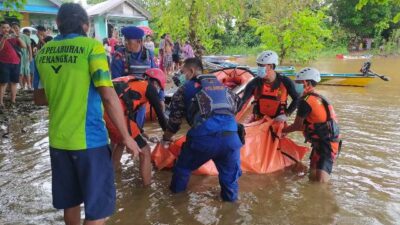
[[19, 115]]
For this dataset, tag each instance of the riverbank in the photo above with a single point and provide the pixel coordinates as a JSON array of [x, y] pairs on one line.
[[327, 52], [247, 51]]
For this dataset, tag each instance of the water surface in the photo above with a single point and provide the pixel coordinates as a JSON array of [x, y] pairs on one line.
[[364, 187]]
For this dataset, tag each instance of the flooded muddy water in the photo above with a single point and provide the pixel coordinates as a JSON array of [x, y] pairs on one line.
[[364, 188]]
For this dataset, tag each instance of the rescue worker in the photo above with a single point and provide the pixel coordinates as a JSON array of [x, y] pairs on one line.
[[317, 119], [134, 59], [134, 92], [270, 90], [210, 109]]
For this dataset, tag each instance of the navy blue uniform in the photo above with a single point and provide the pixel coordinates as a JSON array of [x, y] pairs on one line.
[[214, 137], [124, 62]]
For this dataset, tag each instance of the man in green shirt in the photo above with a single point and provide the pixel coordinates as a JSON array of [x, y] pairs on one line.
[[72, 77]]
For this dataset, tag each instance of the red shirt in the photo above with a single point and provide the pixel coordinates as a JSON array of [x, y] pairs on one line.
[[112, 42], [8, 54]]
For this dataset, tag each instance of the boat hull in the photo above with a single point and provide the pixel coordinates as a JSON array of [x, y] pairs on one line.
[[354, 80]]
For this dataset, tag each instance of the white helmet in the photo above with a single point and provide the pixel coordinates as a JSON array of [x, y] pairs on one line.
[[309, 73], [268, 57]]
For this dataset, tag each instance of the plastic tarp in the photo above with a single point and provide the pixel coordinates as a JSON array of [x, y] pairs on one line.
[[263, 152]]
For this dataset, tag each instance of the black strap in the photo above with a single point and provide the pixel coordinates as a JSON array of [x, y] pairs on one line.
[[273, 134], [278, 81], [289, 156]]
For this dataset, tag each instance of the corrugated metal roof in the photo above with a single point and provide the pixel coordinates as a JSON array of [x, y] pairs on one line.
[[106, 6]]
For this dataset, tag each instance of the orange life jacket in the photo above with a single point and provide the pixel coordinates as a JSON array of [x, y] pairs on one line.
[[321, 123], [132, 93], [271, 102]]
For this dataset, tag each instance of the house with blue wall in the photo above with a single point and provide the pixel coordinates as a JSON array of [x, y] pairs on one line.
[[38, 12], [106, 18], [110, 16]]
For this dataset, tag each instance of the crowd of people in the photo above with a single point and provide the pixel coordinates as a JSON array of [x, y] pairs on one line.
[[18, 49], [17, 52], [170, 54], [79, 77]]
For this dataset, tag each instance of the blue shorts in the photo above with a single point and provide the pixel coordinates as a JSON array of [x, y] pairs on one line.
[[9, 73], [84, 176]]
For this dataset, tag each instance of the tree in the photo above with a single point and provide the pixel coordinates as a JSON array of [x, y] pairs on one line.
[[368, 21], [292, 29], [195, 20], [241, 33], [362, 3], [12, 8]]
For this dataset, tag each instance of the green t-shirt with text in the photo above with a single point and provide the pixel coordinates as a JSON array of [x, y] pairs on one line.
[[70, 68]]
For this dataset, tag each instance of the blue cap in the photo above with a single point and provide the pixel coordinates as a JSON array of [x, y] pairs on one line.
[[132, 32]]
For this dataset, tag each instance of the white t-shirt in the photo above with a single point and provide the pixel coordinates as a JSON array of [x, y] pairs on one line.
[[149, 45]]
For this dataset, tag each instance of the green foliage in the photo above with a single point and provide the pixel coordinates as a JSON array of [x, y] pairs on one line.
[[241, 50], [340, 37], [332, 51], [12, 8], [196, 20], [368, 21], [362, 3], [392, 46], [241, 33], [297, 37]]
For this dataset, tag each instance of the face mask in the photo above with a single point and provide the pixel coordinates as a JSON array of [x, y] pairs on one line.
[[299, 88], [261, 71]]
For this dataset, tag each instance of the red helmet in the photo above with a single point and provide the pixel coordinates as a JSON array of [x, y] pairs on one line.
[[157, 74]]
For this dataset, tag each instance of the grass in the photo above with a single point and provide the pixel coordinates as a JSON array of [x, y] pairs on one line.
[[333, 51]]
